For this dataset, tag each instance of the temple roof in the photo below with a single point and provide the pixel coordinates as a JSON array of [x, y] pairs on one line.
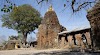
[[74, 31], [50, 8]]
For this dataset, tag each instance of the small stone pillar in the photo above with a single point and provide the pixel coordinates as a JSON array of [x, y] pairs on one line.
[[62, 42], [78, 39], [70, 41], [87, 34], [16, 46]]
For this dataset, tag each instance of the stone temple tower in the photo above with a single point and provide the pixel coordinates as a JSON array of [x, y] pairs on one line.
[[48, 30]]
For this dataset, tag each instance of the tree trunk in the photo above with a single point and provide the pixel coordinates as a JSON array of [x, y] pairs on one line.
[[25, 38]]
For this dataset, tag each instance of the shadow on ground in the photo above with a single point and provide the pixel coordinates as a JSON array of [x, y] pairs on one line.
[[67, 53]]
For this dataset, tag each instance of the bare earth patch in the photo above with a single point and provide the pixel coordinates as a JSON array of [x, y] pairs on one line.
[[24, 51], [32, 51]]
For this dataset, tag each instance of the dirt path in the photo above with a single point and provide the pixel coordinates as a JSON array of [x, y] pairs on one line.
[[29, 51]]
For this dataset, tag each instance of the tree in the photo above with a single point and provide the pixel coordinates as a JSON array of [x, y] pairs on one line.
[[24, 19]]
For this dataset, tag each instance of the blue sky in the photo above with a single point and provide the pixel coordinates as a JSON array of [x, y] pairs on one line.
[[66, 18]]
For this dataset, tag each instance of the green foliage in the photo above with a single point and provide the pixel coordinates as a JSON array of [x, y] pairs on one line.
[[8, 6], [5, 10], [13, 37], [22, 18]]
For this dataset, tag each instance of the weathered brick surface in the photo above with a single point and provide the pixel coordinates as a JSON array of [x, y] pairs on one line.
[[94, 18], [78, 39], [62, 42], [48, 30], [87, 34], [70, 41]]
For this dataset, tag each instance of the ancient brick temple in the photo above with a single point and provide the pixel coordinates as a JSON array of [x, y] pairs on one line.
[[94, 18], [48, 30]]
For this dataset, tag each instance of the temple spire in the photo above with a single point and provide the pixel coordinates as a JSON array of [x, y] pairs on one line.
[[50, 8]]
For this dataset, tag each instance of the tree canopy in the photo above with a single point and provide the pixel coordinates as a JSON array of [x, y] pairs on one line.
[[24, 19]]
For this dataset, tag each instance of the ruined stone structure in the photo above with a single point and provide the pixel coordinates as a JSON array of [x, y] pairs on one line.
[[12, 43], [72, 39], [48, 30], [94, 18]]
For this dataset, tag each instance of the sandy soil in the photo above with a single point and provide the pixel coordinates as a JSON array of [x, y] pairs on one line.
[[32, 51], [29, 51]]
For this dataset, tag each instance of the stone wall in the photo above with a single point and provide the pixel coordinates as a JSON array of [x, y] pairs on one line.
[[94, 18], [72, 40]]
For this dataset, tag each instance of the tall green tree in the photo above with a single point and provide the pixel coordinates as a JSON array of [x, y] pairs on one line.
[[24, 19]]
